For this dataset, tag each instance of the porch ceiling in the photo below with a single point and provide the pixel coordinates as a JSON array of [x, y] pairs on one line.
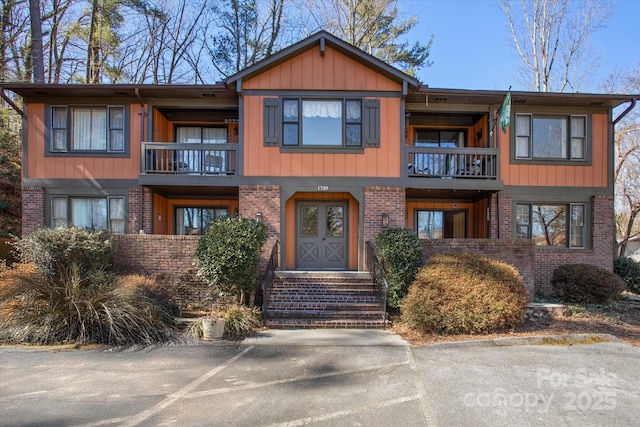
[[447, 194], [199, 192]]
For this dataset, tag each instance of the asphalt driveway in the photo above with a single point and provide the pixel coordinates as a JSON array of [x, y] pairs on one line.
[[323, 378]]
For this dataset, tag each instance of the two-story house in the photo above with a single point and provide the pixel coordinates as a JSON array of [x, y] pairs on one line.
[[328, 145]]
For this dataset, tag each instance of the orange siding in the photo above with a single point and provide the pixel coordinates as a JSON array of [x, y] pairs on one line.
[[290, 224], [310, 71], [61, 167], [269, 161], [595, 175], [472, 222], [163, 210]]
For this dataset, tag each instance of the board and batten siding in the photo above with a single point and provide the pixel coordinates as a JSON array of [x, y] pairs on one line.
[[573, 175], [78, 167]]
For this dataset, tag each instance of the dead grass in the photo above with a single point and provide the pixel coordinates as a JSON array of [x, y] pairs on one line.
[[621, 319]]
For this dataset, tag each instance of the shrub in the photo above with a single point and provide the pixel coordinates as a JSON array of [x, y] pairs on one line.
[[148, 288], [629, 271], [465, 293], [54, 251], [241, 321], [400, 254], [228, 254], [585, 283], [79, 309]]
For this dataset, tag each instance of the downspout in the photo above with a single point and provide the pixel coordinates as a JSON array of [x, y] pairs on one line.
[[11, 103], [625, 112], [142, 116]]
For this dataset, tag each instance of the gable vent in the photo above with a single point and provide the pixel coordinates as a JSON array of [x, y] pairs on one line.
[[595, 104], [208, 95], [440, 99], [40, 92], [120, 93], [518, 101]]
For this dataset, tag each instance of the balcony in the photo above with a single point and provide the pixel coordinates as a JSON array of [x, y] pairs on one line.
[[452, 163], [189, 159]]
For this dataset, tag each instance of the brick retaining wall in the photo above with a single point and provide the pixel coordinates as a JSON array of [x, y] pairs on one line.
[[168, 259], [518, 253]]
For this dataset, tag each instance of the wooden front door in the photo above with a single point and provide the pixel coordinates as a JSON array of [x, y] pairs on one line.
[[321, 235]]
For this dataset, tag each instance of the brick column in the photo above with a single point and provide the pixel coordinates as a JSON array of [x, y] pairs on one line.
[[501, 216], [383, 200], [33, 209], [603, 238], [266, 200], [140, 216]]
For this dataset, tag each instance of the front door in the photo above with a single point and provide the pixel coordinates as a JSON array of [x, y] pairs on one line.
[[321, 235]]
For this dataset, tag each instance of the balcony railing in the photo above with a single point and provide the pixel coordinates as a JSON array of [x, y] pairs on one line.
[[189, 159], [444, 162]]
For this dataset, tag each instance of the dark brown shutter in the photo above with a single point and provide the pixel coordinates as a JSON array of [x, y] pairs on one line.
[[371, 123], [272, 122]]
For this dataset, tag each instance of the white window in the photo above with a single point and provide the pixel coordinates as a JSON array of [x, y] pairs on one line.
[[88, 129], [551, 137], [92, 213]]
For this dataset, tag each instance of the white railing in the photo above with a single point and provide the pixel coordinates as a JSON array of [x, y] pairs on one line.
[[189, 159], [442, 162]]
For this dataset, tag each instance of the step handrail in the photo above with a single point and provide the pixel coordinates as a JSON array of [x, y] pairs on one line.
[[267, 278], [379, 280]]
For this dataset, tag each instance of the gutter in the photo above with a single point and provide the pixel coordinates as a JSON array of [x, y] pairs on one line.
[[625, 112], [11, 103]]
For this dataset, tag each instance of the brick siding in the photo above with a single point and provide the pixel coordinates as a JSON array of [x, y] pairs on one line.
[[600, 253], [383, 200], [33, 209], [266, 200], [518, 253], [140, 217]]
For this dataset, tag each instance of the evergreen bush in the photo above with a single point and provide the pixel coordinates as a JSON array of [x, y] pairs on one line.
[[400, 254], [585, 283], [629, 271], [227, 256]]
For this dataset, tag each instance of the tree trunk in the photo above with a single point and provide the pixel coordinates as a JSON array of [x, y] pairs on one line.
[[37, 55]]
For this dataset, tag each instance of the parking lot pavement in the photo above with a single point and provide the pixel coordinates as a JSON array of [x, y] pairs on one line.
[[335, 384]]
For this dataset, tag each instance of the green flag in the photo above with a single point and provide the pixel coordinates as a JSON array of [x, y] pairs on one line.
[[504, 116]]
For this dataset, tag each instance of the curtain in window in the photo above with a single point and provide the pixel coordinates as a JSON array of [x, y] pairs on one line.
[[214, 135], [116, 215], [189, 159], [322, 109], [89, 127], [89, 213], [59, 212]]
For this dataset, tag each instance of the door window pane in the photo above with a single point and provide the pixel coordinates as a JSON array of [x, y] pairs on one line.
[[309, 221], [335, 221], [430, 225]]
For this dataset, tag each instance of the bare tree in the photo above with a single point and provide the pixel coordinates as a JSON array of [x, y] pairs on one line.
[[375, 26], [37, 53], [627, 168], [551, 37]]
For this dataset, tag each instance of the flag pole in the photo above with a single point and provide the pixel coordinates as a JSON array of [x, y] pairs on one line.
[[495, 121]]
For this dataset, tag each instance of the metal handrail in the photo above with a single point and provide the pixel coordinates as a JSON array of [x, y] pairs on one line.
[[189, 159], [449, 162], [379, 280], [267, 278]]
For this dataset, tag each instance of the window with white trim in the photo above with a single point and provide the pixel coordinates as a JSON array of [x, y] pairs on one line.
[[92, 213], [560, 225], [551, 137], [88, 129]]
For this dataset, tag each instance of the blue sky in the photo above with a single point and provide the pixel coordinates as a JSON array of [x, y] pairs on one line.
[[472, 49]]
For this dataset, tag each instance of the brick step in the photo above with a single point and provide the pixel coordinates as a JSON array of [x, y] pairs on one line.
[[301, 313], [313, 292], [323, 305], [328, 286], [344, 323], [337, 299]]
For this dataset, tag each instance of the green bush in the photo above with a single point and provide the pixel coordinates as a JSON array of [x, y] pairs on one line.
[[585, 283], [465, 293], [54, 251], [228, 254], [629, 271], [400, 254]]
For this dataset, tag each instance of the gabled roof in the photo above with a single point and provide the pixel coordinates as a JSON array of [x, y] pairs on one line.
[[323, 39]]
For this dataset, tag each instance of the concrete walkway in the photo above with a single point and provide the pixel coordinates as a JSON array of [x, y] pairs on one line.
[[326, 337]]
